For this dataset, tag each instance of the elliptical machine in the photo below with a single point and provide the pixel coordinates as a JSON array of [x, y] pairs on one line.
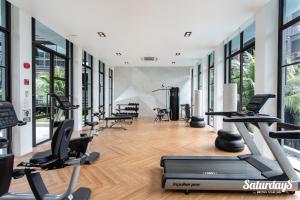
[[59, 159]]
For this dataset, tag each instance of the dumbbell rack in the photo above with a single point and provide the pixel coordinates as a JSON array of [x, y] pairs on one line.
[[128, 109]]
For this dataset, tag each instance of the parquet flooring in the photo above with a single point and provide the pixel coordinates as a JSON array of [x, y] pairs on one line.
[[129, 165]]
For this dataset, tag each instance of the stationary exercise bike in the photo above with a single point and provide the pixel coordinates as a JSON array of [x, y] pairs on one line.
[[78, 147], [58, 159]]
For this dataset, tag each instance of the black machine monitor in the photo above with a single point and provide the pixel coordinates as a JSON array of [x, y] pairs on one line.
[[258, 101], [63, 102], [8, 117]]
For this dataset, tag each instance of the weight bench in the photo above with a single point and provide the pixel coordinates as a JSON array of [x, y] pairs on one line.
[[117, 119]]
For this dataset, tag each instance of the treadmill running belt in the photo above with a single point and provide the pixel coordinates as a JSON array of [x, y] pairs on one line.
[[212, 167]]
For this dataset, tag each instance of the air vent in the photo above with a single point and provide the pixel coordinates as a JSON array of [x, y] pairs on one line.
[[149, 58]]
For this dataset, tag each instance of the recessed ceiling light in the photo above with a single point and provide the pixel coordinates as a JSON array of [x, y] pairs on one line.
[[101, 34], [187, 34], [118, 54], [173, 62], [177, 54]]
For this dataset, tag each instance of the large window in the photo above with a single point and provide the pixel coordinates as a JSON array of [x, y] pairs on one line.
[[199, 77], [87, 87], [240, 64], [110, 91], [51, 71], [4, 58], [101, 87], [211, 85], [289, 67]]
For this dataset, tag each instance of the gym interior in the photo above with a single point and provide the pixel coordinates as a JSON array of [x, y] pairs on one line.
[[149, 99]]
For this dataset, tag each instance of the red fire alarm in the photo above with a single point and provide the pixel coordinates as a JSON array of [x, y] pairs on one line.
[[26, 65], [26, 81]]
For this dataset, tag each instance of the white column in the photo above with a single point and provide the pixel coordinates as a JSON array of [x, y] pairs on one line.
[[266, 61], [95, 86], [21, 50], [218, 84], [77, 86]]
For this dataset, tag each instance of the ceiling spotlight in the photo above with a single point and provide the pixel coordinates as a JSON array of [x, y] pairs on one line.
[[118, 54], [101, 34], [177, 54], [126, 63], [173, 62], [187, 34]]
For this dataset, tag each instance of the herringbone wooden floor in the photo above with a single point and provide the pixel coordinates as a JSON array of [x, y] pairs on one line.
[[129, 165]]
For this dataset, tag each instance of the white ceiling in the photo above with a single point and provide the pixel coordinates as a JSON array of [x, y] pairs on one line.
[[139, 28]]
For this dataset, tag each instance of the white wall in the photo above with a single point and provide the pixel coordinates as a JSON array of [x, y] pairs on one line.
[[135, 84], [77, 86], [21, 49], [266, 56]]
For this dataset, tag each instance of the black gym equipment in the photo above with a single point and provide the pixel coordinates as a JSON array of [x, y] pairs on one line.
[[116, 119], [174, 103], [237, 173], [161, 115], [197, 122], [231, 141], [78, 146], [173, 110], [57, 160]]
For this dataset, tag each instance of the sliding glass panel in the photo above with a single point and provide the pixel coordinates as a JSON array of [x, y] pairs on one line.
[[235, 44], [59, 67], [42, 129], [249, 35], [291, 10], [291, 92], [42, 86], [291, 44], [89, 60], [89, 86], [3, 13], [3, 81], [248, 77], [235, 67], [50, 39], [59, 87], [2, 49], [42, 100]]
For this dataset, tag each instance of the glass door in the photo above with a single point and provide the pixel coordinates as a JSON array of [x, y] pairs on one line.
[[41, 100], [50, 72]]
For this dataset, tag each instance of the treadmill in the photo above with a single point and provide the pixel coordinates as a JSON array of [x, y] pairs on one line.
[[237, 173]]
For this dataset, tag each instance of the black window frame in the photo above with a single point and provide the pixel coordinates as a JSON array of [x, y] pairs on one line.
[[85, 109], [209, 87], [280, 107], [228, 56], [68, 79], [110, 73], [8, 82], [102, 87]]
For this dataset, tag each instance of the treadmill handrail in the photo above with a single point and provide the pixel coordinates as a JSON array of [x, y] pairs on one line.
[[252, 119], [291, 134], [226, 114]]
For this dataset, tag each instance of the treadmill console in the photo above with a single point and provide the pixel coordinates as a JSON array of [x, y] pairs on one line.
[[258, 101], [8, 117]]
